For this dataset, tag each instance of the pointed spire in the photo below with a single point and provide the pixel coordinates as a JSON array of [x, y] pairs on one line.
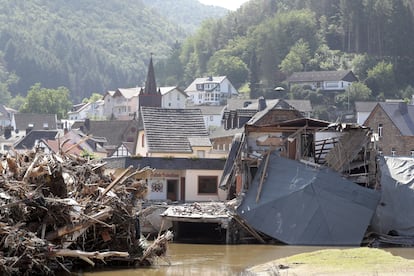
[[150, 96], [150, 84]]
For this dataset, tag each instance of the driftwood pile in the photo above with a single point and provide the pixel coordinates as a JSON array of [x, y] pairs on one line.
[[60, 212]]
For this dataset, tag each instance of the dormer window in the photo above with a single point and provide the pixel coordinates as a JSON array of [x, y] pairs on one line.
[[199, 87]]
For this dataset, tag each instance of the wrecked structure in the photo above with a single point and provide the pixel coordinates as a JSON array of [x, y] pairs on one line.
[[303, 181], [61, 212]]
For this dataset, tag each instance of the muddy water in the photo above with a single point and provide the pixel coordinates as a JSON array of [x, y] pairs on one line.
[[194, 259]]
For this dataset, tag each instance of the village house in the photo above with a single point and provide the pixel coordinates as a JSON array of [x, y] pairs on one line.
[[114, 135], [32, 140], [124, 103], [210, 91], [94, 111], [28, 121], [173, 133], [393, 126], [323, 80], [239, 111], [212, 114]]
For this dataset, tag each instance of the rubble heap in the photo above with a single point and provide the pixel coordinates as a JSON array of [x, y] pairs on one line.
[[60, 211]]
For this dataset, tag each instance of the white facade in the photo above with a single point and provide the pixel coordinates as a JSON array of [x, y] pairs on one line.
[[166, 185], [93, 111], [172, 97], [210, 91]]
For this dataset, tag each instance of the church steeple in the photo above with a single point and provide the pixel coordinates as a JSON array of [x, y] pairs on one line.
[[150, 84], [150, 96]]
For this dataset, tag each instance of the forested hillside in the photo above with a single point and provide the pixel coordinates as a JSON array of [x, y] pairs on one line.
[[84, 45], [188, 14], [262, 43]]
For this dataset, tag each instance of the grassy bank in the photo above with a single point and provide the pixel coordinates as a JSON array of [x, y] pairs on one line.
[[356, 261]]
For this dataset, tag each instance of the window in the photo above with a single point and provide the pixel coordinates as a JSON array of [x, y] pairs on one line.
[[380, 151], [143, 140], [380, 130], [207, 184], [393, 152], [201, 153], [412, 153], [211, 118]]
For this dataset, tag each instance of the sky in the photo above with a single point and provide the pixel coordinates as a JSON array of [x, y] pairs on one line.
[[228, 4]]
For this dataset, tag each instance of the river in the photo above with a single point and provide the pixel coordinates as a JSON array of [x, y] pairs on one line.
[[205, 259]]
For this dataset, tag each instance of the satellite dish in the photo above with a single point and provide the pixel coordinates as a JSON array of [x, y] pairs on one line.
[[279, 88]]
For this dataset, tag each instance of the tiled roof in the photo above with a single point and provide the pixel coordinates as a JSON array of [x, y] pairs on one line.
[[210, 109], [113, 131], [38, 121], [402, 115], [173, 130], [365, 106], [301, 105], [346, 75]]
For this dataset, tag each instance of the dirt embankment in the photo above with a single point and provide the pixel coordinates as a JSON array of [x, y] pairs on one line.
[[358, 261]]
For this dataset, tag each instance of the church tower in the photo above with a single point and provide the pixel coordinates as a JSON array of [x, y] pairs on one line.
[[150, 96]]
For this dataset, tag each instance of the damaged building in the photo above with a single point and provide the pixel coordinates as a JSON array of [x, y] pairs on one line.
[[301, 180]]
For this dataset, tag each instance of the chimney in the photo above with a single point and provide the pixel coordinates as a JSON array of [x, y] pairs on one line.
[[402, 106], [29, 128], [7, 132], [87, 124], [261, 103]]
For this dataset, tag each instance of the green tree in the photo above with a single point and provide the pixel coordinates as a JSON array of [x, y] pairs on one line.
[[357, 91], [297, 59], [93, 98], [233, 67], [17, 101], [47, 101], [381, 80]]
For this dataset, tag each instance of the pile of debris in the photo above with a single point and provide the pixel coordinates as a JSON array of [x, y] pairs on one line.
[[60, 212]]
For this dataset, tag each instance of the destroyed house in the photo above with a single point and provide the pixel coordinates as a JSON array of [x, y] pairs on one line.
[[301, 180]]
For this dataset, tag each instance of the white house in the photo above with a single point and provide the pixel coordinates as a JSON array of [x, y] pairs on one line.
[[323, 80], [93, 110], [173, 97], [123, 104], [210, 91], [212, 115]]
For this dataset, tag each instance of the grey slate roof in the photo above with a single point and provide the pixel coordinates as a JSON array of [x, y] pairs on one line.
[[28, 141], [365, 106], [345, 75], [38, 121], [166, 163], [113, 131], [173, 130], [402, 115]]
